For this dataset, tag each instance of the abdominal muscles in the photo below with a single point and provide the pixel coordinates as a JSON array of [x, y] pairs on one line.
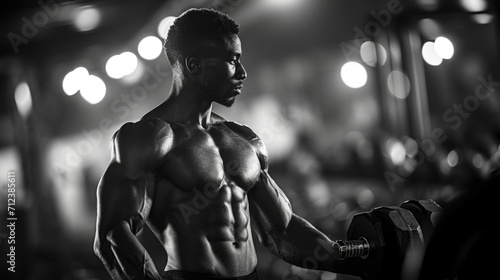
[[209, 232], [226, 218]]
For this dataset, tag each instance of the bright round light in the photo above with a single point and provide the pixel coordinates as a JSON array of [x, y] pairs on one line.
[[121, 65], [474, 5], [94, 90], [22, 97], [381, 54], [452, 158], [87, 18], [398, 84], [411, 146], [74, 80], [129, 63], [164, 25], [81, 74], [397, 151], [150, 47], [429, 54], [368, 53], [353, 74], [444, 47], [113, 67], [372, 52], [69, 85]]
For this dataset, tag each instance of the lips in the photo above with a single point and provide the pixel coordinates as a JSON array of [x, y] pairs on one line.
[[238, 88]]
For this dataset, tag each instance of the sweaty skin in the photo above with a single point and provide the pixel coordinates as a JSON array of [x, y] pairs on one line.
[[201, 184], [194, 193], [197, 189], [201, 199]]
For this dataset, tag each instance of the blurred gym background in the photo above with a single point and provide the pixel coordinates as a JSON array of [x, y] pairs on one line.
[[361, 103]]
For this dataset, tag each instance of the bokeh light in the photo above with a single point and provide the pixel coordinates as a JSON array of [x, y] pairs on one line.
[[94, 90], [121, 65], [164, 25], [482, 18], [150, 47], [474, 5], [113, 67], [477, 160], [353, 74], [74, 80], [429, 54], [398, 84], [22, 96], [372, 52], [86, 18], [365, 198], [444, 47], [129, 63], [368, 53], [396, 151], [411, 146], [452, 158]]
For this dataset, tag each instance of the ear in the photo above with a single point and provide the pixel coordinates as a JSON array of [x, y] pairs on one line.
[[192, 64]]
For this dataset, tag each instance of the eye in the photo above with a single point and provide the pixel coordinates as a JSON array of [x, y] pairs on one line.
[[233, 60]]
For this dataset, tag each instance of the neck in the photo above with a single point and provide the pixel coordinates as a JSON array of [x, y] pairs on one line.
[[187, 104]]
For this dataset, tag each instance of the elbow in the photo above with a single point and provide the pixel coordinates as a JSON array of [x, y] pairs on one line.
[[103, 250], [100, 241], [102, 244], [99, 244]]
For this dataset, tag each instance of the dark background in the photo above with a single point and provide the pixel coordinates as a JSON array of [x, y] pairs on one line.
[[428, 132]]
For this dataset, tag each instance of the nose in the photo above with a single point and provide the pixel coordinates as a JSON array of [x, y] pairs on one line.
[[241, 74]]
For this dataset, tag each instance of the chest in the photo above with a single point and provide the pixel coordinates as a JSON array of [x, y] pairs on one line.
[[213, 156]]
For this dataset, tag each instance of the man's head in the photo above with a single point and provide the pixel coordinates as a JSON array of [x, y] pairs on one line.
[[203, 45], [198, 32]]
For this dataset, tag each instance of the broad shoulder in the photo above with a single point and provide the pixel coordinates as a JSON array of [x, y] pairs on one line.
[[142, 141], [143, 131], [248, 134], [243, 130]]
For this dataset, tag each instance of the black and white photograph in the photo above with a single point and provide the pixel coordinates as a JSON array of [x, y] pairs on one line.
[[249, 139]]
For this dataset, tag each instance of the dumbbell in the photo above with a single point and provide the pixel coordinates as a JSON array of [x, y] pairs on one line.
[[380, 241], [427, 213]]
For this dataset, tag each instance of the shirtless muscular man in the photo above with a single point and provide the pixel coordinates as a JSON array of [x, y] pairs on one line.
[[180, 151]]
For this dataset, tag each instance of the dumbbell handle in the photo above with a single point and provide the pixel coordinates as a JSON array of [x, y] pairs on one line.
[[352, 248]]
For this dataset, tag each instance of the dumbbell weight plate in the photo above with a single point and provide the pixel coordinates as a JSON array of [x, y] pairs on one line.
[[393, 233], [427, 214], [367, 225]]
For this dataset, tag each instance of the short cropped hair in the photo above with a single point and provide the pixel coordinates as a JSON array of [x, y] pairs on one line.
[[197, 31]]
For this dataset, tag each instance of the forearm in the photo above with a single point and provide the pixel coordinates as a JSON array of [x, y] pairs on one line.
[[124, 256], [301, 244]]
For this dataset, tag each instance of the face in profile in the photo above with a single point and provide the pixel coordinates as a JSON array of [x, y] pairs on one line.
[[223, 73]]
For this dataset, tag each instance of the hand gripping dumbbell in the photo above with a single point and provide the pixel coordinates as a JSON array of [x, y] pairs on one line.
[[380, 241]]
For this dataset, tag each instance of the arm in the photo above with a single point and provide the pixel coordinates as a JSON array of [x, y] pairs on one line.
[[124, 197], [285, 234]]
